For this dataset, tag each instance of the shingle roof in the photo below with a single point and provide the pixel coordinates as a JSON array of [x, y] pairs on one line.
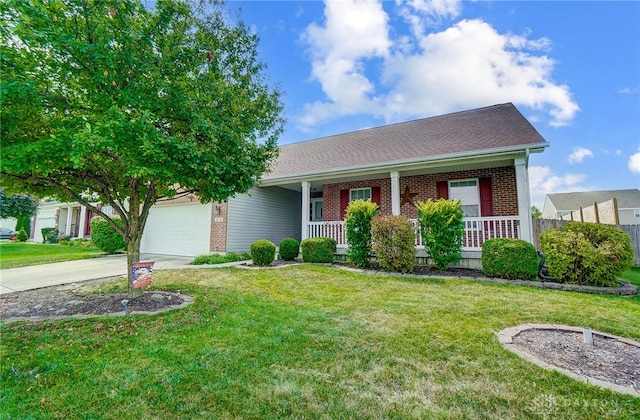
[[461, 133], [627, 199]]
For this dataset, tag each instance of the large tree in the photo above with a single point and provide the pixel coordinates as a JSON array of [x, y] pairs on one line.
[[17, 205], [132, 104]]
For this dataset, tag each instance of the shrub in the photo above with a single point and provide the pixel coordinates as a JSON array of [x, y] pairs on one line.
[[263, 252], [22, 236], [587, 253], [510, 259], [358, 228], [220, 259], [318, 250], [24, 222], [393, 240], [49, 235], [289, 249], [105, 237], [77, 243], [441, 228]]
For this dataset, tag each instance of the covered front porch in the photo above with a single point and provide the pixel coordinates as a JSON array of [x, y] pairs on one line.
[[495, 200], [477, 230]]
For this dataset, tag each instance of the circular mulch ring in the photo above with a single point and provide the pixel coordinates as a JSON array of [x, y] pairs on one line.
[[59, 302], [611, 362]]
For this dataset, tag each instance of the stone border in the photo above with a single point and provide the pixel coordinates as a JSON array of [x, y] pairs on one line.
[[625, 289], [187, 300], [506, 339]]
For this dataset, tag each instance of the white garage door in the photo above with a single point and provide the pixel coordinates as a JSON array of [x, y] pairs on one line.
[[180, 229]]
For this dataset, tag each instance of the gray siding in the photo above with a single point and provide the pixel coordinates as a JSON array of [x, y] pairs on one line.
[[271, 213]]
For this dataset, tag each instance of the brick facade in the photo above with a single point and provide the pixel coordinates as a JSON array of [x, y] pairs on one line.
[[331, 196], [503, 182], [218, 241]]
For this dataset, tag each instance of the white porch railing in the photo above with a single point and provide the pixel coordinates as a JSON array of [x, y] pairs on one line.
[[477, 231], [332, 229]]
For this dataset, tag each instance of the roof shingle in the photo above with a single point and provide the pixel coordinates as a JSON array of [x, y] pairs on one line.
[[465, 133]]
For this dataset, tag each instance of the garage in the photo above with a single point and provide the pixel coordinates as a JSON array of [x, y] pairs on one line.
[[178, 229]]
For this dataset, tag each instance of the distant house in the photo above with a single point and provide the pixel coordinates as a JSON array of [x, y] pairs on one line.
[[561, 205], [69, 219], [479, 156]]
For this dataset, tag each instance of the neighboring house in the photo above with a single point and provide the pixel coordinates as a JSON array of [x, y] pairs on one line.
[[561, 205], [70, 219], [479, 156]]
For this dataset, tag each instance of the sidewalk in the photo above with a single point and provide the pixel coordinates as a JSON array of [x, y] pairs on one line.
[[37, 276]]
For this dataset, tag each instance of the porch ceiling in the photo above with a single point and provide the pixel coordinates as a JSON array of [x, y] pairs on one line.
[[318, 181]]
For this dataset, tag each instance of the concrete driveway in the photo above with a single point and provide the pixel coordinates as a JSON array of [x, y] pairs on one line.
[[37, 276]]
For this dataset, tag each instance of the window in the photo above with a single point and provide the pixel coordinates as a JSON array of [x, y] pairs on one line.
[[468, 193], [359, 194], [636, 213], [315, 210]]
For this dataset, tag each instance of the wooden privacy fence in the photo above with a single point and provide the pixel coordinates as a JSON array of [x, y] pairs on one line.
[[540, 225], [605, 213]]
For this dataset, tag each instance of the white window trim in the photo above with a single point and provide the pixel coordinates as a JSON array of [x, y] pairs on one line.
[[361, 189], [313, 215], [477, 182]]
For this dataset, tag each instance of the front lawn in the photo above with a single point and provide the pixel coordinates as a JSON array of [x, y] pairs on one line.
[[20, 254], [310, 342]]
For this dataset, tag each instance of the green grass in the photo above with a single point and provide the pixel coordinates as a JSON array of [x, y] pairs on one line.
[[310, 342], [220, 259], [16, 254], [632, 276]]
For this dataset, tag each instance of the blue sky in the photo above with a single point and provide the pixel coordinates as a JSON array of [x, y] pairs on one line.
[[571, 67]]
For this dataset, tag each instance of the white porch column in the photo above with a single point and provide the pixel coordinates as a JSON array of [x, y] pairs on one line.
[[83, 221], [306, 201], [524, 202], [395, 193], [67, 229]]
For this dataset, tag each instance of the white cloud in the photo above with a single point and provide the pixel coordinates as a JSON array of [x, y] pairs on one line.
[[421, 13], [543, 180], [634, 163], [355, 30], [578, 154], [629, 90], [468, 65]]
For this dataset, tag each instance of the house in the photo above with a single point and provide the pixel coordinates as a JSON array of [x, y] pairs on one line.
[[562, 205], [479, 156], [69, 219]]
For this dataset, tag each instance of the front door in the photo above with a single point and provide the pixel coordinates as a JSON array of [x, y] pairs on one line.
[[315, 211]]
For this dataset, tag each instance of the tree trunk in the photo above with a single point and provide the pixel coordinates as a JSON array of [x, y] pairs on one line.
[[134, 235], [133, 255]]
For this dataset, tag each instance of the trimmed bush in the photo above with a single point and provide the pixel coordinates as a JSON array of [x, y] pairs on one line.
[[22, 236], [587, 253], [289, 249], [49, 235], [393, 240], [511, 259], [441, 228], [24, 222], [105, 237], [263, 252], [77, 243], [358, 228], [221, 259], [318, 250]]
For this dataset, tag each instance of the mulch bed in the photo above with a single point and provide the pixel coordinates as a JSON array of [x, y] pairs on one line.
[[56, 302]]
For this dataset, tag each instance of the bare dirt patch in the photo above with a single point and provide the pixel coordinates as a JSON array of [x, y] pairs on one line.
[[610, 361], [62, 301]]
